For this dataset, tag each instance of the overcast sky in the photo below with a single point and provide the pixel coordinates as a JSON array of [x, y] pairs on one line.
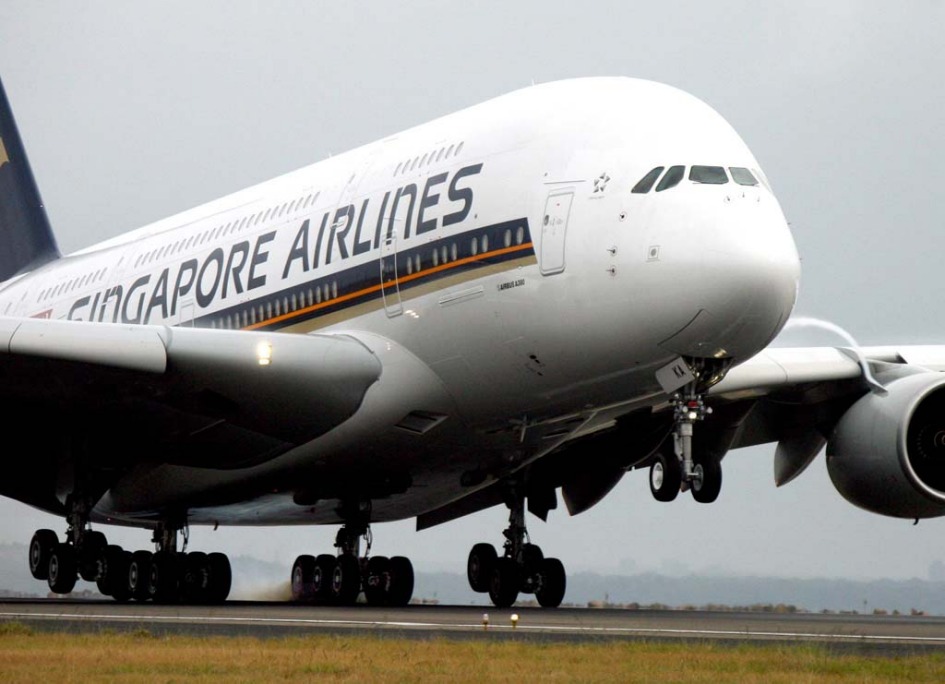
[[133, 111]]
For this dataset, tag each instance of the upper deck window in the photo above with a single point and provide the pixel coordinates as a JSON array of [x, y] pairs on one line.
[[645, 183], [742, 176], [672, 178], [711, 175]]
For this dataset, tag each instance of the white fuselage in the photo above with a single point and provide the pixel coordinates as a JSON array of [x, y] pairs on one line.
[[495, 259]]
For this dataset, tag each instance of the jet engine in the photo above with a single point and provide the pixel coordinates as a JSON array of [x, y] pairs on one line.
[[887, 452]]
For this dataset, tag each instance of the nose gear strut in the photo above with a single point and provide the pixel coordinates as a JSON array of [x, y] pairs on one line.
[[688, 409], [688, 468]]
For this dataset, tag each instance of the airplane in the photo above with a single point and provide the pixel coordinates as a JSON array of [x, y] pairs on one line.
[[538, 293]]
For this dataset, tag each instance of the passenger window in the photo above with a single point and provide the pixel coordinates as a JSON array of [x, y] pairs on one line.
[[647, 181], [742, 176], [672, 178], [710, 175]]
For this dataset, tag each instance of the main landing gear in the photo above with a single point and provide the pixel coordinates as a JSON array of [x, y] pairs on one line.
[[522, 567], [685, 469], [164, 576], [339, 579]]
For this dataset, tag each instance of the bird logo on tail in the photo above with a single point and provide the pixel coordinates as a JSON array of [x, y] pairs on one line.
[[3, 154]]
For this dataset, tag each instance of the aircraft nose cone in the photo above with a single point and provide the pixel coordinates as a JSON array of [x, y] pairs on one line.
[[744, 286]]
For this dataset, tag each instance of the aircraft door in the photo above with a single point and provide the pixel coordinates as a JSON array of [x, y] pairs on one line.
[[390, 288], [554, 226]]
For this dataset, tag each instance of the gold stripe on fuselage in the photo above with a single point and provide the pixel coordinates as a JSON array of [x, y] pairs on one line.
[[405, 294]]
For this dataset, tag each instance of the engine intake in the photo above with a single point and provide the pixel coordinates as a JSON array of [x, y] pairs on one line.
[[887, 453]]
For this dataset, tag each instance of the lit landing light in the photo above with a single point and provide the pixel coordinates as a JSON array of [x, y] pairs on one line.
[[412, 313], [264, 353]]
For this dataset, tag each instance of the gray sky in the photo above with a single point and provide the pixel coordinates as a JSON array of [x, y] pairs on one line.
[[132, 111]]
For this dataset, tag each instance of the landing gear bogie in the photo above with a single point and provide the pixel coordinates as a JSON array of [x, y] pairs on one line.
[[522, 568]]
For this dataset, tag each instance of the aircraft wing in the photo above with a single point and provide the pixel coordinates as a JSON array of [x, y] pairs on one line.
[[793, 397], [211, 398]]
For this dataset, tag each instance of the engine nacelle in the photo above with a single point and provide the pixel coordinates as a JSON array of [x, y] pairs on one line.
[[887, 453]]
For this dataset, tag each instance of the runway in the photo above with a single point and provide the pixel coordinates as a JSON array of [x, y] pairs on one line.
[[267, 620]]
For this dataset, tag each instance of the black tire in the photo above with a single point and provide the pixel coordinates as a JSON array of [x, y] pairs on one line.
[[665, 477], [377, 580], [708, 481], [221, 577], [121, 592], [503, 589], [91, 556], [164, 578], [41, 546], [479, 567], [303, 570], [321, 577], [345, 580], [105, 580], [553, 583], [400, 590], [116, 574], [62, 573], [195, 580], [532, 557], [139, 573]]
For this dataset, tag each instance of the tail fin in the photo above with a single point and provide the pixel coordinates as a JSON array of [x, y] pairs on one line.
[[26, 238]]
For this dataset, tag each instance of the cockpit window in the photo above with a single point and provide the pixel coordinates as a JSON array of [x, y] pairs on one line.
[[647, 181], [712, 175], [742, 176], [672, 178]]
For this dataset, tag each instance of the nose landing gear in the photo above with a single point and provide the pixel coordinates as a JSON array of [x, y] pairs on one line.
[[686, 468]]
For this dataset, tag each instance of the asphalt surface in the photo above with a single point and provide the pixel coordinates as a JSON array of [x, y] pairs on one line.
[[864, 633]]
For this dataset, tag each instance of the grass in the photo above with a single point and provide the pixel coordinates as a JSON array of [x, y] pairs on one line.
[[28, 656]]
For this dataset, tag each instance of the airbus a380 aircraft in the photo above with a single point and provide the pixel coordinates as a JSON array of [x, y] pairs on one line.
[[540, 292]]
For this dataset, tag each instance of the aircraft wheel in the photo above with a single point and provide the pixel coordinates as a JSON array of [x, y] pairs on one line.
[[503, 589], [195, 578], [302, 572], [91, 556], [41, 546], [532, 557], [164, 577], [321, 577], [665, 477], [107, 575], [117, 562], [553, 582], [62, 573], [221, 577], [345, 580], [479, 567], [377, 580], [400, 590], [121, 592], [707, 482], [139, 573]]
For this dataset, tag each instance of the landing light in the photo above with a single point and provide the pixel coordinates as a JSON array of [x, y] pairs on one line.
[[264, 353]]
